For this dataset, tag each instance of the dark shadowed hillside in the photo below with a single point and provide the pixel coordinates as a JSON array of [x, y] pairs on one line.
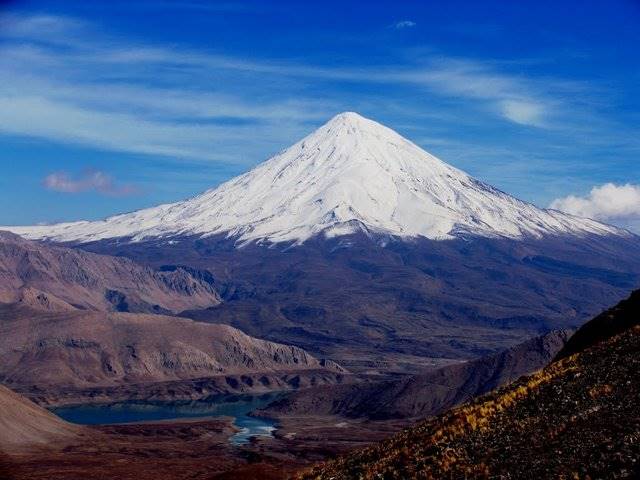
[[416, 304], [426, 394], [609, 323], [577, 418]]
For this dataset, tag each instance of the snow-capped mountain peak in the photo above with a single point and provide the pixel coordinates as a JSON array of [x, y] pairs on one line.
[[351, 173]]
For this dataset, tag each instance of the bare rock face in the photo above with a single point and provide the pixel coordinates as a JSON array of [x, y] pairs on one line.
[[24, 425], [40, 300], [80, 349], [56, 278]]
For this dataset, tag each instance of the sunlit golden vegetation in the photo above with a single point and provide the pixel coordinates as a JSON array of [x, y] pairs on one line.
[[576, 419]]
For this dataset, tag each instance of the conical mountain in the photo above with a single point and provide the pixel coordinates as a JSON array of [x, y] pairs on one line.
[[350, 174]]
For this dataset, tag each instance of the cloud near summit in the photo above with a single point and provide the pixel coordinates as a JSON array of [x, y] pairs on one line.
[[608, 202]]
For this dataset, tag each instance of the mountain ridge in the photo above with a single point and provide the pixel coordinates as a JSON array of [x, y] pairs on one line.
[[50, 277], [409, 302], [424, 394], [74, 354]]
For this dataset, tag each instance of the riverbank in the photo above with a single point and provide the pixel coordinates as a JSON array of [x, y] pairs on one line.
[[193, 448]]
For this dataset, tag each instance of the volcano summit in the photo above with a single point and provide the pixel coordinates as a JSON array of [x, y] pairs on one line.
[[350, 174]]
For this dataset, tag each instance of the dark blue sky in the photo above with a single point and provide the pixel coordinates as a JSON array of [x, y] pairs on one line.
[[111, 106]]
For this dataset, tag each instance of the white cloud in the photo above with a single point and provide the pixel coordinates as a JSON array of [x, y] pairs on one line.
[[124, 132], [99, 95], [403, 24], [609, 202], [94, 180]]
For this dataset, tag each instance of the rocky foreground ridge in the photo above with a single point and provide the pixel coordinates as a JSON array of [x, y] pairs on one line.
[[576, 418]]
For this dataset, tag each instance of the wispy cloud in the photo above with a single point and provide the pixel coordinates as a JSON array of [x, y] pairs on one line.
[[108, 94], [403, 24], [609, 202], [119, 131], [204, 106], [37, 26], [524, 112], [91, 180], [520, 100]]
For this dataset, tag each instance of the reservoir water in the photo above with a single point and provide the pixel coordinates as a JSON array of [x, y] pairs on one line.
[[236, 406]]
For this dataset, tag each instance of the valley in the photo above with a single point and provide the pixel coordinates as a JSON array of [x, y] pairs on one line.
[[586, 371]]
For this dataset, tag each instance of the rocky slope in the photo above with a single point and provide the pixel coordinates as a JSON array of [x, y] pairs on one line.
[[426, 394], [56, 278], [577, 418], [24, 425], [47, 352]]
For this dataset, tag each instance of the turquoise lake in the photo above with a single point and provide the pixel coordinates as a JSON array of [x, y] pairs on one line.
[[236, 406]]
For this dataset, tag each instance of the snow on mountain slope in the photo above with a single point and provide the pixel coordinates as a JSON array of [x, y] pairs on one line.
[[352, 173]]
